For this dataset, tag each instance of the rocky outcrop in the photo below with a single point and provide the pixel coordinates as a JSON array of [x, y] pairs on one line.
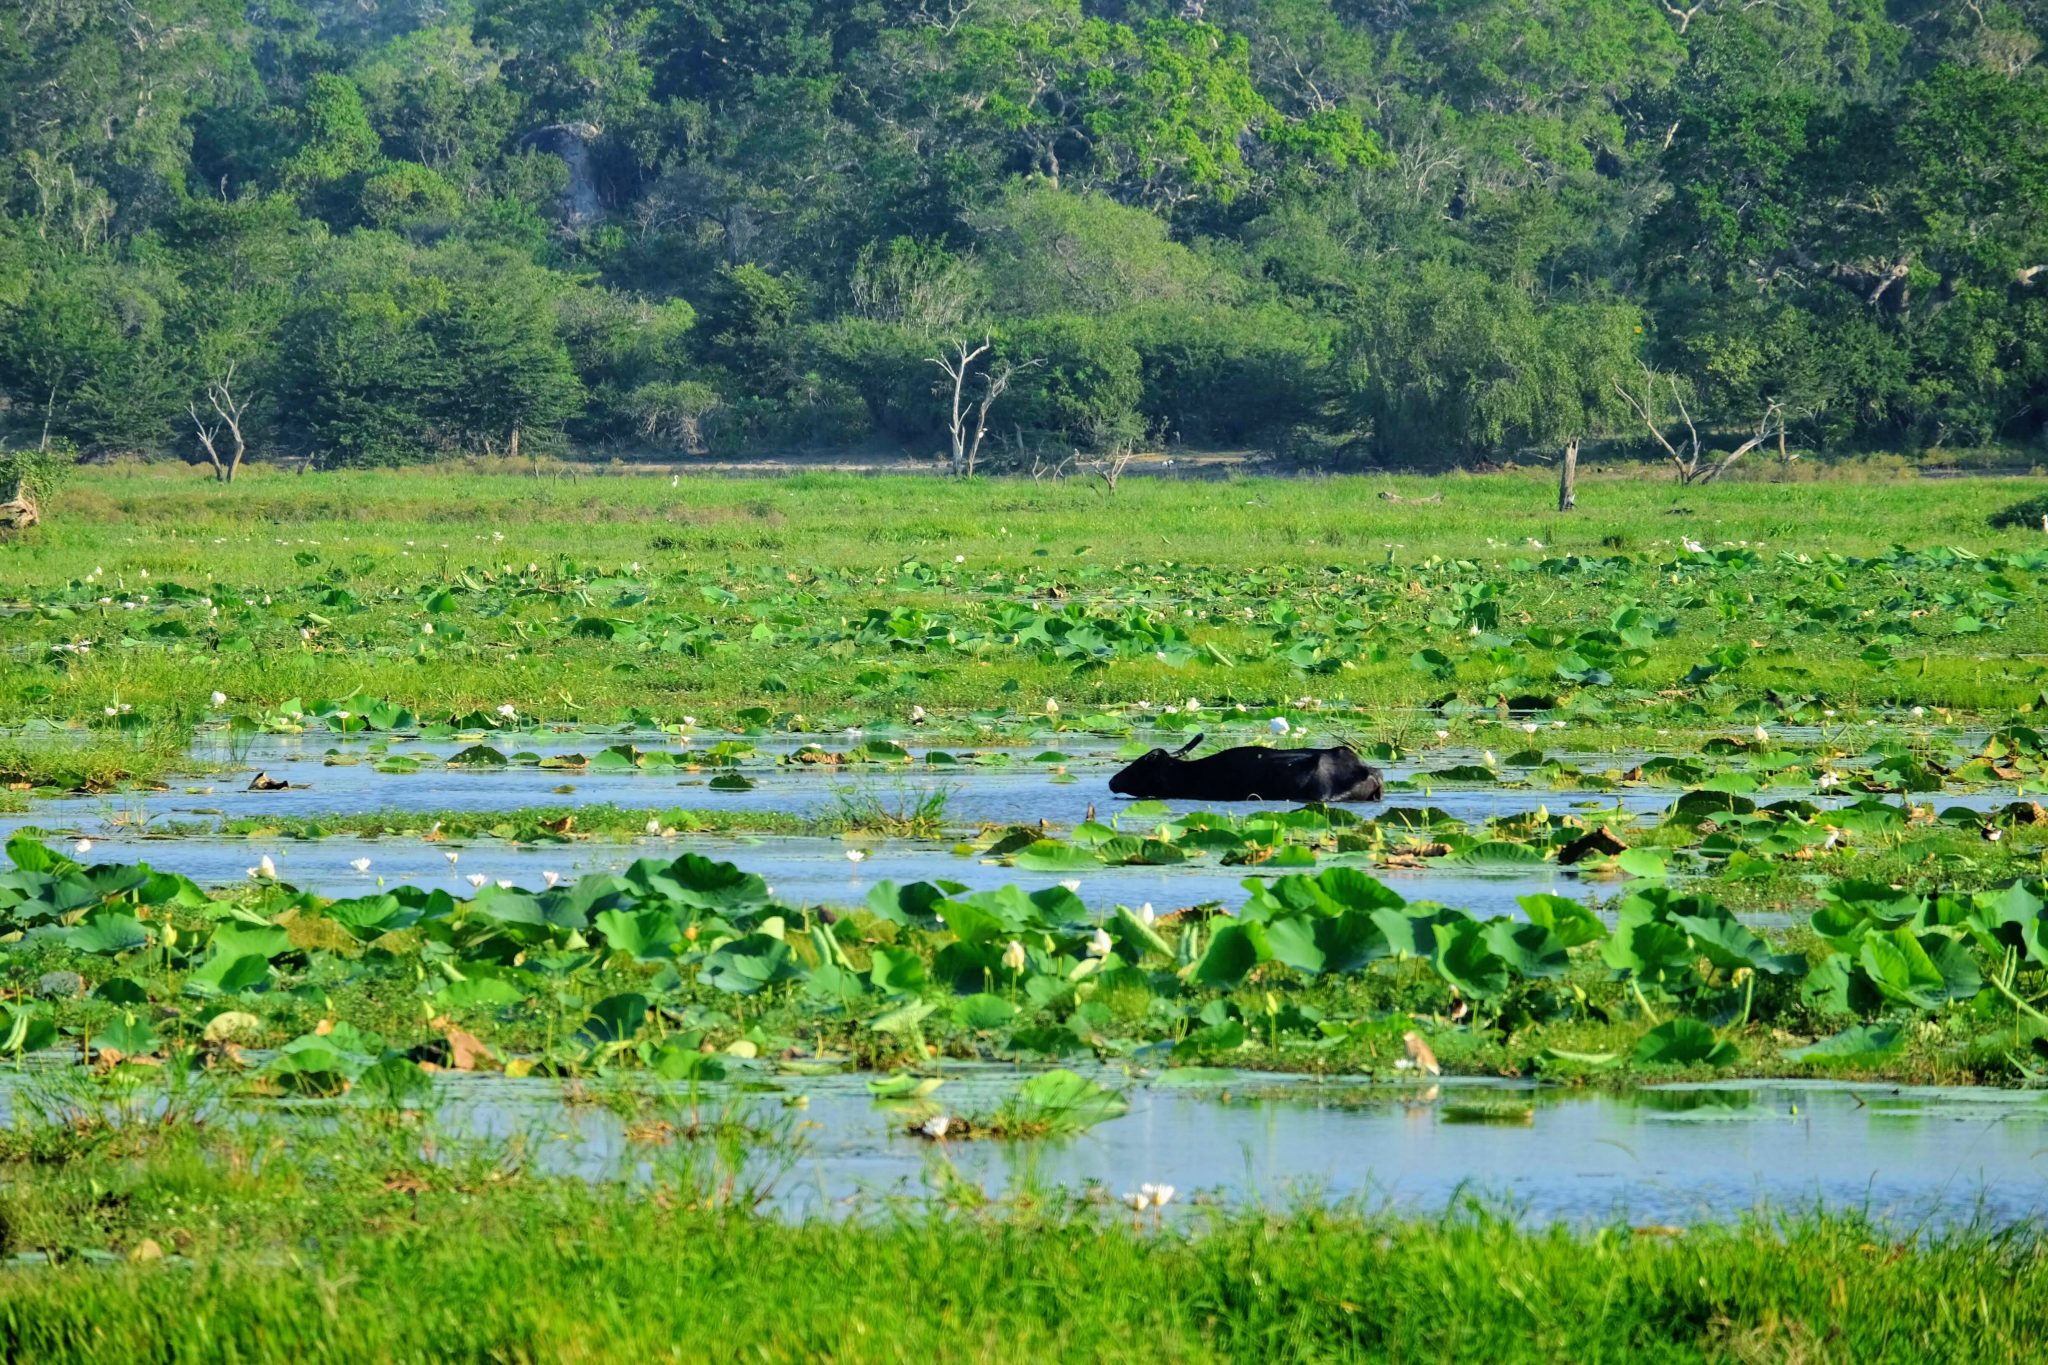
[[571, 142]]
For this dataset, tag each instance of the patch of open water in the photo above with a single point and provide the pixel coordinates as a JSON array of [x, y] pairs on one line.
[[1910, 1156]]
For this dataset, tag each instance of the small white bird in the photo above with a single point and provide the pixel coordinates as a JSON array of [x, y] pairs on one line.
[[1278, 725]]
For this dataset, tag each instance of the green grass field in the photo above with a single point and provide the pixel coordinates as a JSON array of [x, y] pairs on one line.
[[835, 598]]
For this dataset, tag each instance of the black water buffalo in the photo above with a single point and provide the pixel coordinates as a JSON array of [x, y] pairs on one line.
[[1250, 774]]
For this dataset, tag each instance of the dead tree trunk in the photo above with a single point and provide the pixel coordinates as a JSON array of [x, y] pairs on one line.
[[967, 424], [1688, 453], [955, 368], [228, 412], [19, 511], [1568, 477]]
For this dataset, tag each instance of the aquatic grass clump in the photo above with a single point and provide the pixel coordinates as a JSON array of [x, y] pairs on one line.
[[94, 764], [911, 814]]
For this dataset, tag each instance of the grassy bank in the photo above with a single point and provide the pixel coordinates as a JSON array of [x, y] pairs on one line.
[[182, 1242], [837, 599]]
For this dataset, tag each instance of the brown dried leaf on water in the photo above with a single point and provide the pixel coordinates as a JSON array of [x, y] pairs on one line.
[[466, 1051], [1419, 1053], [561, 826], [1597, 842], [264, 782]]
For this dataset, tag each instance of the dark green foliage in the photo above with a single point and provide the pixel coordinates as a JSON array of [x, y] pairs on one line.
[[2024, 515], [1422, 236]]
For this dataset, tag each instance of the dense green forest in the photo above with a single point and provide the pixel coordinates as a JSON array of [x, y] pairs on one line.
[[1376, 232]]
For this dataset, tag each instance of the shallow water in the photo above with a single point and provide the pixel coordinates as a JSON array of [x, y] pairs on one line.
[[1657, 1156], [802, 871], [334, 776], [1911, 1156]]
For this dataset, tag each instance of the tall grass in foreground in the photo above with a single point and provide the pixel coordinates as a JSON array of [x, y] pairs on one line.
[[183, 1238], [561, 1273]]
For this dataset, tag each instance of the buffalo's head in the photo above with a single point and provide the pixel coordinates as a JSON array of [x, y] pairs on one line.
[[1147, 775]]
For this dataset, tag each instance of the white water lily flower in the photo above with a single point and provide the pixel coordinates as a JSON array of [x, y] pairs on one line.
[[1139, 1200], [1528, 727], [1073, 886], [451, 857], [1473, 632], [1100, 944], [654, 826], [1162, 1195], [1052, 707], [854, 855], [959, 559], [1488, 759], [426, 627], [1278, 725], [1829, 779], [1443, 734], [1918, 712], [689, 722], [917, 715], [936, 1126], [1692, 546], [1145, 914], [264, 868], [220, 699], [508, 710], [360, 864], [82, 846], [1193, 706], [1013, 956], [1762, 735], [551, 877], [113, 711], [477, 880]]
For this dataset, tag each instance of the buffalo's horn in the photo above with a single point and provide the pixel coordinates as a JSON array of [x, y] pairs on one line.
[[1184, 750]]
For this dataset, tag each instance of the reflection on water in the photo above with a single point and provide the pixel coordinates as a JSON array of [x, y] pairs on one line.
[[1666, 1155]]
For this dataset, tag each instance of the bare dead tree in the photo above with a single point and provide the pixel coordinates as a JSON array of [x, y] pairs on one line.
[[1688, 453], [967, 423], [956, 367], [1110, 466], [228, 412]]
